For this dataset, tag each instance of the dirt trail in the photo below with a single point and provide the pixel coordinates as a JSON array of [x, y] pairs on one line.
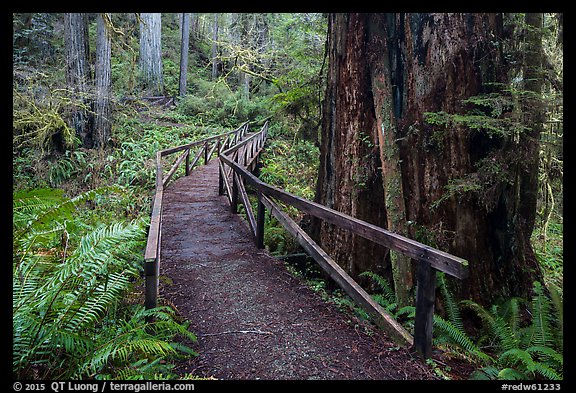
[[253, 319]]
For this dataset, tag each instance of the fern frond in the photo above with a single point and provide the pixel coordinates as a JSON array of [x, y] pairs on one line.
[[558, 305], [511, 374], [548, 354], [458, 337], [449, 302], [515, 356], [541, 317], [497, 326], [546, 371], [485, 373], [387, 290]]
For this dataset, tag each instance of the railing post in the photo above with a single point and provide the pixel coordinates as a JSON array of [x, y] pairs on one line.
[[205, 153], [220, 180], [261, 212], [234, 202], [187, 161], [425, 298], [151, 295]]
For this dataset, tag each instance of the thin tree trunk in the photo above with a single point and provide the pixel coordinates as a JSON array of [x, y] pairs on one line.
[[102, 107], [151, 53], [78, 75], [535, 116], [214, 54], [184, 53]]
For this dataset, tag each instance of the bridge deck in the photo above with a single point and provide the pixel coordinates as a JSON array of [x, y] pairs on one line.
[[253, 319]]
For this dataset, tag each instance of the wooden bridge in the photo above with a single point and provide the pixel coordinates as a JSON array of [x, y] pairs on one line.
[[196, 237]]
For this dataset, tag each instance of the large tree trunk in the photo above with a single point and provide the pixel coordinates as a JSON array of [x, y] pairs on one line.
[[102, 105], [185, 43], [385, 72], [78, 75], [150, 61], [350, 180]]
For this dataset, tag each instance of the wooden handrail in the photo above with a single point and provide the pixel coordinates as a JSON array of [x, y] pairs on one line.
[[428, 258], [228, 147], [153, 243], [439, 260]]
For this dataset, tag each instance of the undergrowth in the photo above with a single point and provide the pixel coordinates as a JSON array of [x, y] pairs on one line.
[[517, 339], [71, 278]]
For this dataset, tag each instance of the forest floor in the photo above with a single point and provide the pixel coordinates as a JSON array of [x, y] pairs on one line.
[[254, 319]]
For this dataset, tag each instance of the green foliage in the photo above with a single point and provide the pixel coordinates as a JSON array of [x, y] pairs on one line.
[[506, 348], [524, 351], [36, 122], [69, 283], [215, 103]]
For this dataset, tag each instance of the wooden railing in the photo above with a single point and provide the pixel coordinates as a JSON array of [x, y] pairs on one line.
[[206, 149], [235, 168]]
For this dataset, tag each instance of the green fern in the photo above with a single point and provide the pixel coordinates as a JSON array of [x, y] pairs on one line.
[[69, 280], [452, 336], [524, 352], [388, 296], [499, 328], [452, 310], [541, 317]]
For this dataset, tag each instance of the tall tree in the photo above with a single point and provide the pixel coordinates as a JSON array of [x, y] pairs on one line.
[[184, 47], [451, 183], [214, 54], [78, 75], [150, 61], [102, 104]]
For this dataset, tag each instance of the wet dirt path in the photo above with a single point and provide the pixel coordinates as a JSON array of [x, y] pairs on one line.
[[253, 319]]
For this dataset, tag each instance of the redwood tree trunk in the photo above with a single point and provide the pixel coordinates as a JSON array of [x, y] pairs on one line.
[[78, 75], [350, 180], [185, 43], [385, 72], [151, 53], [102, 105]]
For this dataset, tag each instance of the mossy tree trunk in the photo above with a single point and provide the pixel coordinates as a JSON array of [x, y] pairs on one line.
[[78, 74], [386, 71], [102, 105]]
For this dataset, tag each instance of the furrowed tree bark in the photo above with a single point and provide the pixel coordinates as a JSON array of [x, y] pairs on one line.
[[150, 61], [185, 44], [78, 75], [102, 105], [385, 72], [350, 180]]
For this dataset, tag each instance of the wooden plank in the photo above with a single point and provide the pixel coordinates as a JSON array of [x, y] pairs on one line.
[[175, 168], [158, 170], [196, 158], [357, 293], [154, 230], [247, 206], [260, 216], [226, 182], [439, 260], [425, 298], [197, 143], [253, 159], [212, 150], [238, 145]]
